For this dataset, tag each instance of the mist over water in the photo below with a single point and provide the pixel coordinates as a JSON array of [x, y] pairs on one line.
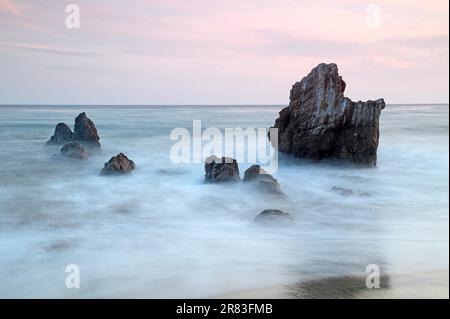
[[162, 232]]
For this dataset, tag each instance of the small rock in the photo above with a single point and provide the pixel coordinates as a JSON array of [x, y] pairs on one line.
[[118, 165], [225, 169], [273, 216], [62, 134], [74, 150], [85, 131], [264, 180], [348, 192], [342, 191]]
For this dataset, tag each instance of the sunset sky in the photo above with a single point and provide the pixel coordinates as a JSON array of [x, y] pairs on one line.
[[220, 52]]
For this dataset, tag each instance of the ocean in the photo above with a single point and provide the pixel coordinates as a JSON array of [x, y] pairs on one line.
[[161, 232]]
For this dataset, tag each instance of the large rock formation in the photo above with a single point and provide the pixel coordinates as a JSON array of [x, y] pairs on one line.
[[223, 169], [321, 123], [62, 134], [85, 131], [74, 150], [118, 165], [263, 180]]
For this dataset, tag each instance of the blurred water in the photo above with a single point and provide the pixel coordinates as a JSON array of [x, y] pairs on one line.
[[161, 232]]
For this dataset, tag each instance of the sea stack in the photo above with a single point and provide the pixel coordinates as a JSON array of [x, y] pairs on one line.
[[223, 169], [62, 135], [118, 165], [321, 123], [85, 132]]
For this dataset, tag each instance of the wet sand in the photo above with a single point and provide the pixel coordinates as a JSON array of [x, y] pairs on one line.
[[425, 285]]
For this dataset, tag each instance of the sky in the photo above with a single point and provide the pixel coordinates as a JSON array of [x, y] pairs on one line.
[[220, 51]]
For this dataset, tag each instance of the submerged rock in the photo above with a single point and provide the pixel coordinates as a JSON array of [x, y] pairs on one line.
[[118, 165], [348, 192], [273, 216], [170, 172], [85, 131], [74, 150], [223, 169], [342, 191], [321, 123], [62, 134], [264, 181]]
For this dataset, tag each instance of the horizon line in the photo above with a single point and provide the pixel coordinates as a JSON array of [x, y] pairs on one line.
[[203, 105]]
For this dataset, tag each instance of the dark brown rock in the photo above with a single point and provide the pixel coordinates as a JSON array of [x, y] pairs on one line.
[[74, 150], [118, 165], [62, 134], [264, 181], [223, 169], [85, 131], [321, 123], [273, 217]]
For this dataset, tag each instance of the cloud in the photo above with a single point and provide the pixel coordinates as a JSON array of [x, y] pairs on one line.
[[229, 43], [45, 49], [285, 43], [425, 42], [10, 7], [400, 52], [78, 69]]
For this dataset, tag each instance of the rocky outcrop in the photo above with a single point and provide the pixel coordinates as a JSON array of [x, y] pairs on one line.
[[62, 134], [85, 132], [273, 217], [263, 180], [223, 169], [321, 123], [74, 150], [118, 165]]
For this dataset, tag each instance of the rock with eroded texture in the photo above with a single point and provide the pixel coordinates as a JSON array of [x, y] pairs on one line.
[[223, 169], [118, 165], [321, 123], [85, 132], [62, 134]]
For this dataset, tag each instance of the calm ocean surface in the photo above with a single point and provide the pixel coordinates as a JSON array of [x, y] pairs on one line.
[[161, 232]]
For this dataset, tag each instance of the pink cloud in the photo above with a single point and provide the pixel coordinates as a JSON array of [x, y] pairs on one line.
[[10, 7], [229, 42]]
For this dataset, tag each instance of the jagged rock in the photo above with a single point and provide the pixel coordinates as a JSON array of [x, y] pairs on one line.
[[223, 169], [85, 131], [273, 216], [74, 150], [62, 134], [264, 181], [321, 123], [117, 165]]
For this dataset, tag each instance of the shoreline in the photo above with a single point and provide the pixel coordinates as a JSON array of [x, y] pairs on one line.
[[420, 285]]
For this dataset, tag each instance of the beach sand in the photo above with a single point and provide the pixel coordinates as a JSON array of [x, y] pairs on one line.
[[425, 285]]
